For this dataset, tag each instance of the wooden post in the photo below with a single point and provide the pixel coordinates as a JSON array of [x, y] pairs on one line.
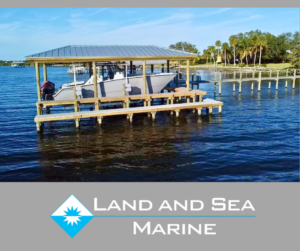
[[45, 72], [162, 68], [233, 87], [220, 109], [240, 83], [144, 77], [152, 68], [252, 86], [38, 81], [95, 80], [259, 81], [168, 66], [277, 79], [294, 79], [215, 87], [177, 113], [220, 84], [188, 75], [210, 109], [286, 82], [131, 69], [153, 115]]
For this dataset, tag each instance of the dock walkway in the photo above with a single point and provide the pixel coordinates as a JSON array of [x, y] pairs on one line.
[[129, 112]]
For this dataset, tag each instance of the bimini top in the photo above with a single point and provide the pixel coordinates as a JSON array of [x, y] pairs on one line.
[[90, 53]]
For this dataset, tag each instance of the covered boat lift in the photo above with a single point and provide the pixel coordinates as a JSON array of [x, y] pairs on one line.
[[92, 54]]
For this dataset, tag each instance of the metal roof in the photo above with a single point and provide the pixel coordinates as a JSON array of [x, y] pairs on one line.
[[106, 52], [148, 62]]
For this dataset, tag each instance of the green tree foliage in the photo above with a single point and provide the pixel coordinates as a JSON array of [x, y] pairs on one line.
[[252, 48], [184, 46]]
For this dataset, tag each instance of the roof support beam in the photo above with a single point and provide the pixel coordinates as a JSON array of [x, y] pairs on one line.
[[95, 82], [38, 81], [188, 75], [144, 77], [45, 72]]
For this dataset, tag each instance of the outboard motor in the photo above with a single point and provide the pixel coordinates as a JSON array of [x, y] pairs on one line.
[[47, 90]]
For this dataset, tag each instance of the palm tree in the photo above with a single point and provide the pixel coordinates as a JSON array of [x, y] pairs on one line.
[[225, 47], [233, 42], [218, 44], [254, 43], [211, 50], [261, 41], [206, 54]]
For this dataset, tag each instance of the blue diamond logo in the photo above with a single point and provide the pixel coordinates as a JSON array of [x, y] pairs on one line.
[[72, 216]]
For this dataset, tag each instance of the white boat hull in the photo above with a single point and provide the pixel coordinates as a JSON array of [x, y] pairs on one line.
[[115, 87]]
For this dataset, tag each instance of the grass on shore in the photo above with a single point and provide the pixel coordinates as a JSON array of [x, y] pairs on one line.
[[279, 66]]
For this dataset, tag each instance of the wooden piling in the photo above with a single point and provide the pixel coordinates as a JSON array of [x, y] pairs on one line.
[[220, 83], [252, 85], [240, 86], [144, 77], [188, 75], [270, 80], [259, 81], [168, 66], [38, 81], [233, 87], [277, 80], [95, 80], [45, 72], [294, 79], [286, 82]]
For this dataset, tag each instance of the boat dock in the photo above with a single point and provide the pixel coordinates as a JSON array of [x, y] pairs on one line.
[[129, 112], [256, 76], [193, 101], [92, 55]]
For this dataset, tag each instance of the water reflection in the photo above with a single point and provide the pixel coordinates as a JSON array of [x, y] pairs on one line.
[[97, 153]]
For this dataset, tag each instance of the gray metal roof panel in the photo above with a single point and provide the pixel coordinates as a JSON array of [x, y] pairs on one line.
[[110, 51]]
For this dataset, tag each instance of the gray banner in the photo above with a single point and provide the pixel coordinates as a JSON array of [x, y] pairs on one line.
[[26, 222]]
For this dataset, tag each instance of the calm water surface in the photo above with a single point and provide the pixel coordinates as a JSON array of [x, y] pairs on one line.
[[255, 139]]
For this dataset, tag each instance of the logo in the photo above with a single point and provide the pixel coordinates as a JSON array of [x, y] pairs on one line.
[[72, 216]]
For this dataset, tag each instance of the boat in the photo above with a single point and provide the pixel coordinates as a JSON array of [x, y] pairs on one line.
[[17, 64], [78, 69], [115, 83]]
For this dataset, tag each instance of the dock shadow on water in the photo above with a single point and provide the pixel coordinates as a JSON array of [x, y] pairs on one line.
[[255, 139]]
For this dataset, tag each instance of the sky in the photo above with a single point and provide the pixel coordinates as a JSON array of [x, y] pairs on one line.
[[25, 31]]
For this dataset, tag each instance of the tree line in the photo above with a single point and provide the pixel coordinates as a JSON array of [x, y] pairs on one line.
[[250, 48]]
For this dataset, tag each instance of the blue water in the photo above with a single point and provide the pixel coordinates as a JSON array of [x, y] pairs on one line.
[[255, 139]]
